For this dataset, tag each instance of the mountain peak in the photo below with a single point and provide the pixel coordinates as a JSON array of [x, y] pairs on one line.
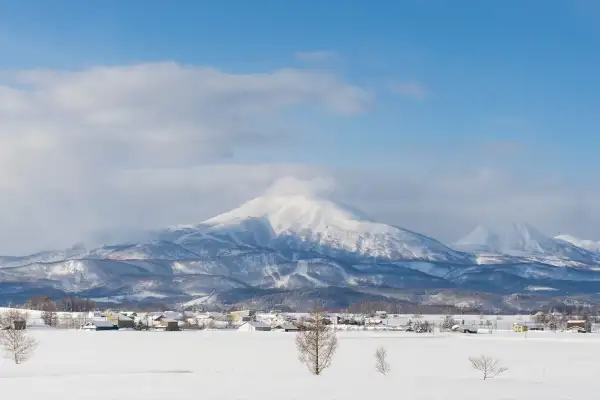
[[293, 212], [310, 221], [521, 239], [506, 238]]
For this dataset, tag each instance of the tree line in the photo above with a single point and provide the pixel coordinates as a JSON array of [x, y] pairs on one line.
[[66, 304]]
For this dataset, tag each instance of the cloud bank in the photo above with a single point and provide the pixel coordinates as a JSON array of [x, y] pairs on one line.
[[97, 154], [72, 141]]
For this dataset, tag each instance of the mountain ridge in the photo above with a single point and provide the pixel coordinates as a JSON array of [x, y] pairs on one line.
[[586, 244], [301, 242]]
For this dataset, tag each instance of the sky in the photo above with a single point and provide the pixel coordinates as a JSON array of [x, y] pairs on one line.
[[121, 116]]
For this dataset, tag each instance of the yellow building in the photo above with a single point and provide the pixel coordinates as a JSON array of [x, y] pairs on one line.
[[518, 327], [242, 316]]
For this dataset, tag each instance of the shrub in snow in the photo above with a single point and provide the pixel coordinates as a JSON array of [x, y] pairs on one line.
[[381, 364], [447, 323], [489, 367], [422, 326], [17, 345]]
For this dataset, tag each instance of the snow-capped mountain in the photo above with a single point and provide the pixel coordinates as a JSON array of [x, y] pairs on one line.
[[315, 224], [278, 244], [522, 240], [588, 245]]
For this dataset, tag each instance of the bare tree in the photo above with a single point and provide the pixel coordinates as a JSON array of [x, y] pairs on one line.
[[541, 318], [50, 317], [316, 343], [381, 364], [490, 367], [17, 345], [13, 317], [80, 319], [67, 321]]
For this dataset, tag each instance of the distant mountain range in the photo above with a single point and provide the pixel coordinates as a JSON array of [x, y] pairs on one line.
[[288, 250]]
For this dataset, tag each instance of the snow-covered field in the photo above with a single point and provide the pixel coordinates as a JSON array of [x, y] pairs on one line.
[[264, 365]]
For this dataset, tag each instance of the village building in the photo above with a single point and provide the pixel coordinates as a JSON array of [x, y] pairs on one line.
[[242, 316], [101, 325], [167, 324], [254, 326], [287, 327], [578, 325], [125, 322], [525, 326]]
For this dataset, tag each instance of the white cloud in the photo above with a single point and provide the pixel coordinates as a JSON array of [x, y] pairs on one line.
[[162, 113], [448, 203], [68, 136], [290, 185]]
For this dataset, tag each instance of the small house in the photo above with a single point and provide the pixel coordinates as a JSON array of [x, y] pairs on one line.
[[101, 325], [576, 323], [520, 327], [254, 326], [527, 326], [119, 319], [242, 316], [125, 322], [19, 325], [287, 327], [167, 324], [464, 329]]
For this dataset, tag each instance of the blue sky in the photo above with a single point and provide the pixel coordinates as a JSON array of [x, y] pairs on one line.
[[522, 73], [509, 86]]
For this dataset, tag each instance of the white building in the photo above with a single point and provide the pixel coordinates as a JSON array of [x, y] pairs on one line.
[[254, 326]]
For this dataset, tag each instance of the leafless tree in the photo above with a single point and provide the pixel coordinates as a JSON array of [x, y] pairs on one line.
[[80, 319], [50, 317], [489, 367], [542, 318], [13, 337], [316, 343], [9, 317], [67, 321], [381, 364], [489, 325]]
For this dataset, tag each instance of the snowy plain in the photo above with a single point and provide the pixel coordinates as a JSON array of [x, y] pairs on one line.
[[264, 365]]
